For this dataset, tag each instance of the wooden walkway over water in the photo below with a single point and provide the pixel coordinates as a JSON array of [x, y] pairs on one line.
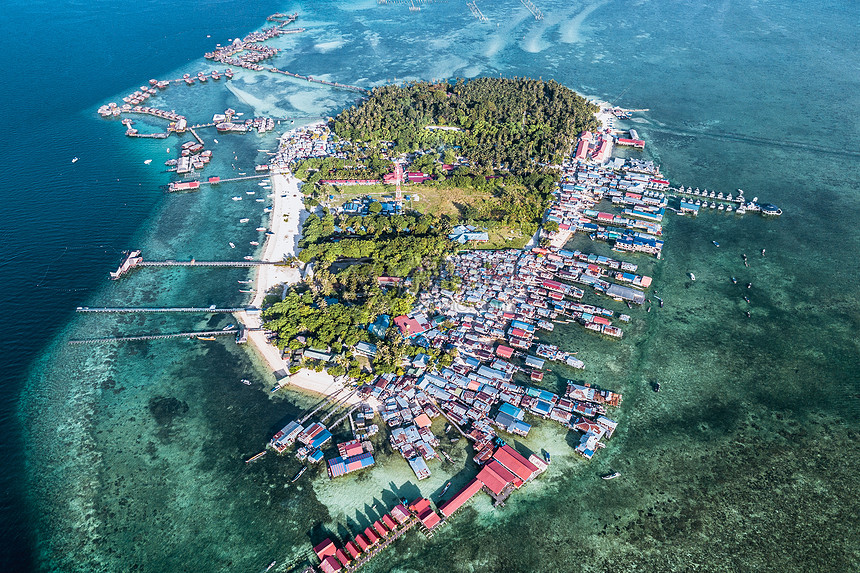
[[194, 263], [188, 309], [197, 334]]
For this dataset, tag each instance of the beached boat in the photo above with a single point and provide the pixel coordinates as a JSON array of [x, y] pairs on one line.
[[613, 475], [298, 475], [547, 457], [255, 457]]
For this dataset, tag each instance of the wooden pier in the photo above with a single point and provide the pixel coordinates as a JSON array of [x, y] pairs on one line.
[[186, 309], [315, 81], [155, 336], [193, 263]]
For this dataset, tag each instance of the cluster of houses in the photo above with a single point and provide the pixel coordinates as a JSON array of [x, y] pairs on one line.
[[306, 142], [638, 193]]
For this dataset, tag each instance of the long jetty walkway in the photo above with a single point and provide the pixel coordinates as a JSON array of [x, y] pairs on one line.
[[320, 406], [344, 417], [316, 81], [194, 263], [244, 178], [155, 336], [189, 309], [389, 539]]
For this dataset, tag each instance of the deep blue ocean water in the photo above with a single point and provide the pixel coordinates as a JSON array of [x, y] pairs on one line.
[[757, 424]]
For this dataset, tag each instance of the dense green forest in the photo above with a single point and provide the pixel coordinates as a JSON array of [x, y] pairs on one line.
[[331, 311], [505, 123]]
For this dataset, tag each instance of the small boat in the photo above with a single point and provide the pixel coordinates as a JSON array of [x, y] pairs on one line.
[[236, 198], [748, 314], [245, 290], [256, 457], [215, 140], [245, 282], [692, 277], [75, 159], [734, 281], [232, 246], [245, 381], [746, 298], [229, 326], [205, 338], [147, 162], [261, 229], [655, 386], [447, 485], [749, 285], [613, 475], [298, 475], [260, 200], [716, 244], [272, 564], [547, 457], [255, 243], [762, 252], [244, 220], [250, 192]]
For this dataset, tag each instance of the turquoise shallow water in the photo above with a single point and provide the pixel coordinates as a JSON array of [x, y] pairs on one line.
[[134, 452]]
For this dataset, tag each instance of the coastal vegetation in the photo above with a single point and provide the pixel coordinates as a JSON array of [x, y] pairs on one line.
[[332, 309]]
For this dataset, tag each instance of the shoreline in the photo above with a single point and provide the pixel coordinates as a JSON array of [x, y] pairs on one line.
[[283, 242]]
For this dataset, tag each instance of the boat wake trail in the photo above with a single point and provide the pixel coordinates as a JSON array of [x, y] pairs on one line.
[[729, 136]]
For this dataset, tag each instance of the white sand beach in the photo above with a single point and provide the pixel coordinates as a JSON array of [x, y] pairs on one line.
[[287, 216], [282, 242]]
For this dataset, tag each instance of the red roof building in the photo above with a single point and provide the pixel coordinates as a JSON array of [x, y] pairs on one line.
[[380, 529], [516, 464], [504, 351], [325, 549], [400, 513], [362, 542], [495, 477], [428, 517], [412, 324], [342, 557], [461, 497], [352, 549], [371, 535], [389, 522], [330, 565]]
